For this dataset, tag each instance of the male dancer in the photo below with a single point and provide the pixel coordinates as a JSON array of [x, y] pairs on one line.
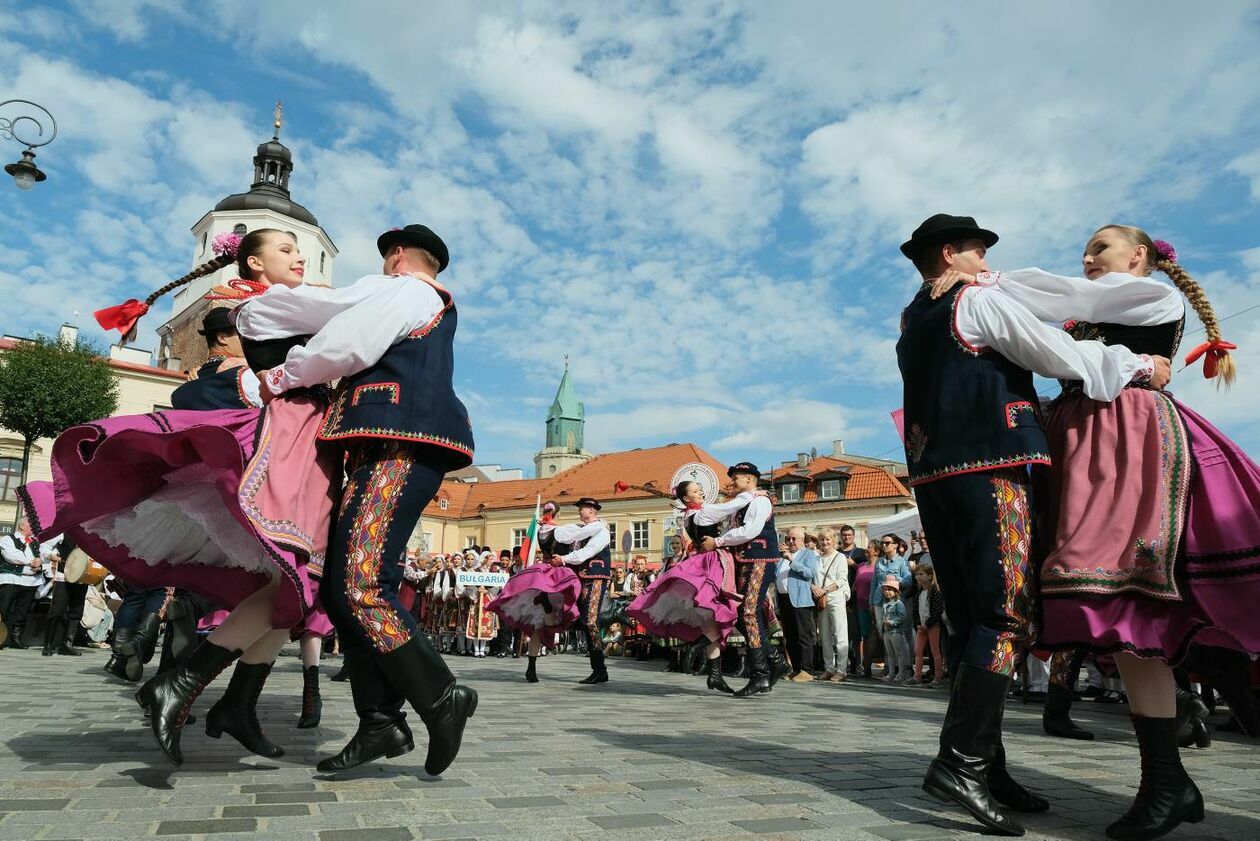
[[591, 559], [754, 541], [390, 339], [973, 437]]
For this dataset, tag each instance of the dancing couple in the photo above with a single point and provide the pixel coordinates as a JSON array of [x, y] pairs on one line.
[[251, 509], [1148, 526]]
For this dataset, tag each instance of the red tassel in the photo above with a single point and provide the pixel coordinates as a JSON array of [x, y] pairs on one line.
[[619, 487], [1212, 352], [123, 317]]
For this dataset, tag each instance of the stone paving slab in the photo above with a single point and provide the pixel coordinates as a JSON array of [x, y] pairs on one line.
[[647, 756]]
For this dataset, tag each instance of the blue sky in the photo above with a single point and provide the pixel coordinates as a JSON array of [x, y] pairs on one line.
[[700, 203]]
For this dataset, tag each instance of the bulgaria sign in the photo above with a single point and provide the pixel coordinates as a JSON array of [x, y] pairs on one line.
[[469, 578]]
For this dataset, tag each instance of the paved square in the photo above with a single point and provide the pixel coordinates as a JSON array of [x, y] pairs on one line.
[[649, 755]]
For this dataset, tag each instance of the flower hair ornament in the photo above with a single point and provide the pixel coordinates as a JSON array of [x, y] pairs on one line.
[[1165, 251], [227, 244]]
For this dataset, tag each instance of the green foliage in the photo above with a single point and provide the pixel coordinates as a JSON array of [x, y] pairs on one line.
[[47, 386]]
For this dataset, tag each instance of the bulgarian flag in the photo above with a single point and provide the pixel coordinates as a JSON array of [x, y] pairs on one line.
[[530, 546]]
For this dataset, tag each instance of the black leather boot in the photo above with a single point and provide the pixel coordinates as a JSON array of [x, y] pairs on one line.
[[1007, 791], [117, 663], [420, 674], [1192, 714], [1056, 719], [343, 674], [383, 730], [140, 646], [675, 660], [758, 675], [169, 696], [1229, 672], [236, 713], [599, 673], [1167, 795], [312, 704], [531, 671], [778, 665], [969, 743], [716, 681], [67, 642], [16, 632], [182, 615], [52, 635]]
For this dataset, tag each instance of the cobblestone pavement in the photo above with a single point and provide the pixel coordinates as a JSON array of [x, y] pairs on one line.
[[649, 755]]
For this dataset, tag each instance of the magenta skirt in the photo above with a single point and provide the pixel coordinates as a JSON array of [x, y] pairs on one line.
[[218, 502], [1155, 530], [518, 605], [688, 596]]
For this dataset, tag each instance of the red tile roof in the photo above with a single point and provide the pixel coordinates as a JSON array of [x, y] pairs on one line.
[[9, 344], [865, 482]]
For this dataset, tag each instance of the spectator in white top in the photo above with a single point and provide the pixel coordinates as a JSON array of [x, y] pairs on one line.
[[832, 584], [21, 574]]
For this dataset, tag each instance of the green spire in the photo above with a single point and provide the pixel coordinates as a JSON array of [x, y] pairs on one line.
[[566, 418]]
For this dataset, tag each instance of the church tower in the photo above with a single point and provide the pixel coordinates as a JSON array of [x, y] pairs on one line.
[[266, 204], [566, 424]]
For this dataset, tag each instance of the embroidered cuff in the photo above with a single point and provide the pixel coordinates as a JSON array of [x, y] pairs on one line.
[[277, 382], [1147, 370], [988, 278]]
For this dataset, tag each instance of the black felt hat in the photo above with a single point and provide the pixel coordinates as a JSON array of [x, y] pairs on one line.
[[415, 236], [586, 500], [216, 321], [743, 467], [943, 228]]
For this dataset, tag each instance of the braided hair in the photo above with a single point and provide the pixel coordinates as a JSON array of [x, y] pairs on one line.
[[1188, 286], [209, 267]]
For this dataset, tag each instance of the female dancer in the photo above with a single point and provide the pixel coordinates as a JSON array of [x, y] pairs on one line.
[[1155, 513], [234, 505], [541, 599], [697, 597]]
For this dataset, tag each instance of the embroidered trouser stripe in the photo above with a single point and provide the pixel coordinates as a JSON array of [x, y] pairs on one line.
[[590, 601], [389, 485], [981, 528], [753, 584]]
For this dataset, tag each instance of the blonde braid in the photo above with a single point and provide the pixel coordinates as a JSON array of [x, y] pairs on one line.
[[1225, 367], [209, 267]]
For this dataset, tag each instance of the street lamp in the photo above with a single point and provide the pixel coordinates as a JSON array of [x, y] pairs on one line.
[[25, 174]]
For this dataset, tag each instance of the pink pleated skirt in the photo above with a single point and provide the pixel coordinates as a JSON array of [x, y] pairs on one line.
[[520, 606], [682, 601]]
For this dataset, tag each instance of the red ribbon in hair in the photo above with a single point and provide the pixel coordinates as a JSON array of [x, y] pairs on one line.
[[1211, 352], [123, 317]]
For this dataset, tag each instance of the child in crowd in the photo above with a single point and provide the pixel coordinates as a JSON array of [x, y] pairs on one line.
[[892, 624], [929, 608]]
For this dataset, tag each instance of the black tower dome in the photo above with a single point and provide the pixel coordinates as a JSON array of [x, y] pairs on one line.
[[270, 190]]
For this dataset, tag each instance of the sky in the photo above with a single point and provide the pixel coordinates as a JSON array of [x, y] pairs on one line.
[[698, 203]]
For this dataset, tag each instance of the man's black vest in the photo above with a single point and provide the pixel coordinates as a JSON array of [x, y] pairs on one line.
[[213, 389], [761, 549], [967, 409], [598, 566], [408, 395], [18, 569]]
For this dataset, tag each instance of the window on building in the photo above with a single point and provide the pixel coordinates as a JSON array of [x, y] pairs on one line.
[[10, 478], [322, 255], [239, 229], [829, 489], [444, 503], [205, 238], [426, 542], [639, 535], [790, 493], [518, 538], [612, 536], [469, 542]]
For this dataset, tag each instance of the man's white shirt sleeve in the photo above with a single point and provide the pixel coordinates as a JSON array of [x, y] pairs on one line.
[[597, 537], [716, 512], [754, 521], [1115, 298]]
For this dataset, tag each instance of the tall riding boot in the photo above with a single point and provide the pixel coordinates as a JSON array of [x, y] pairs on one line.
[[169, 696], [1056, 719], [716, 681], [383, 730], [236, 713], [599, 674], [67, 640], [1167, 795], [419, 672], [117, 664], [312, 704], [698, 665], [970, 737], [778, 665], [140, 647], [758, 674], [675, 660], [1192, 714], [16, 632], [52, 636], [531, 672], [1007, 791], [1229, 672], [181, 619]]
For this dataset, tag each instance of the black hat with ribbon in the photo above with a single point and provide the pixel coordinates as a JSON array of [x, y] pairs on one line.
[[943, 228], [415, 236]]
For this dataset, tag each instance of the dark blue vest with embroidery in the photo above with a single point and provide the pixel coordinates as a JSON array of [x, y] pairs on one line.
[[600, 565], [966, 409], [20, 544], [762, 548], [213, 389], [1154, 340], [408, 395]]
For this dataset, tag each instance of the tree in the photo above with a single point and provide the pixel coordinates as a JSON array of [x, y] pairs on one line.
[[48, 385]]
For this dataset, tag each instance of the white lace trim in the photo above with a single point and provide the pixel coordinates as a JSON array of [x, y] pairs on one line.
[[677, 606], [522, 610], [185, 523]]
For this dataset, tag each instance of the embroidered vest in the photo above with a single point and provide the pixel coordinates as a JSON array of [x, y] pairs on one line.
[[697, 532], [966, 409], [761, 549], [213, 389], [599, 566], [408, 395], [1154, 340], [17, 569]]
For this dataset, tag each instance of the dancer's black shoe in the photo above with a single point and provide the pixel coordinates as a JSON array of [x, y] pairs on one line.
[[716, 680], [169, 696], [531, 671], [599, 672], [1167, 796], [1056, 719], [312, 704], [236, 713], [420, 674], [758, 675]]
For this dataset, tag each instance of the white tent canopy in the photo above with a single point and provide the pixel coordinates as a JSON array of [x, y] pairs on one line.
[[899, 524]]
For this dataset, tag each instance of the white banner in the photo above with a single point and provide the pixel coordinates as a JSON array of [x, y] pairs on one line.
[[469, 578]]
